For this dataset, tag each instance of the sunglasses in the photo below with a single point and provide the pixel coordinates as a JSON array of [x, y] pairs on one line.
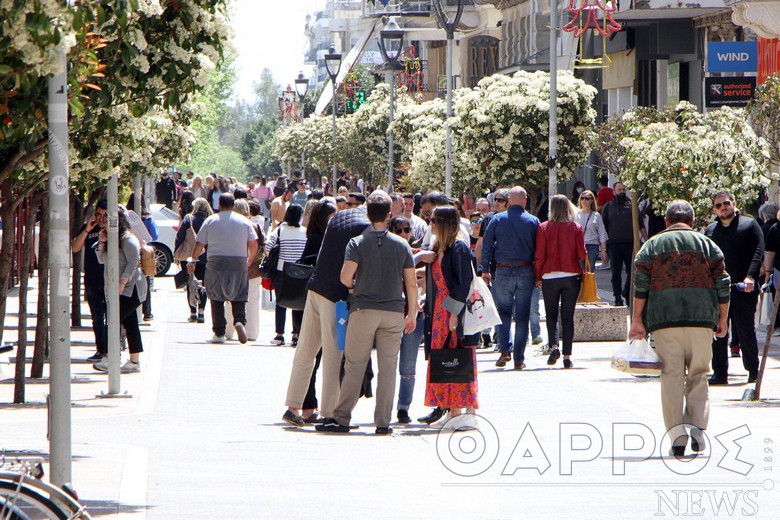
[[403, 230], [586, 198], [496, 199], [475, 222], [725, 203]]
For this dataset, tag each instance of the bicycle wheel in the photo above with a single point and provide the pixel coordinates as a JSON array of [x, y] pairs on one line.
[[29, 502], [9, 511]]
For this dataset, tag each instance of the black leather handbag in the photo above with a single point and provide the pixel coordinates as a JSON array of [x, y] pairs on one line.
[[271, 260], [452, 365], [295, 277]]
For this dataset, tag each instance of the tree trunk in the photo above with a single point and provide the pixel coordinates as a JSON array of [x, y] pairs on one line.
[[535, 199], [41, 350], [24, 274], [7, 247], [76, 221]]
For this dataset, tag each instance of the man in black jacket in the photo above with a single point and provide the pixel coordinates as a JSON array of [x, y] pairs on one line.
[[319, 318], [620, 244], [166, 190], [742, 242]]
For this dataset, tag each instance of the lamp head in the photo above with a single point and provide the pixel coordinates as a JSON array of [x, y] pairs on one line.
[[301, 86], [333, 63], [391, 42]]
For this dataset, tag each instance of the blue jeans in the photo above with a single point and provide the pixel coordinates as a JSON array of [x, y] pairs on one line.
[[407, 362], [535, 318], [513, 292], [593, 254]]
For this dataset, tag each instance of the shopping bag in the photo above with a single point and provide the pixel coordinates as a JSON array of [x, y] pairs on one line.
[[481, 312], [588, 290], [764, 307], [181, 278], [637, 357], [267, 302], [451, 365], [342, 317], [295, 277]]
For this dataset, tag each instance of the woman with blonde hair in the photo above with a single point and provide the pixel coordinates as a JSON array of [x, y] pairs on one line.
[[197, 187], [451, 274], [593, 228], [560, 246], [201, 210]]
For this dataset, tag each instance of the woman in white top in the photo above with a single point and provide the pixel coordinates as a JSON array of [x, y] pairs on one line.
[[593, 227], [291, 236]]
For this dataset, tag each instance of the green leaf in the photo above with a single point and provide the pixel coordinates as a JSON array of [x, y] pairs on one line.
[[5, 69]]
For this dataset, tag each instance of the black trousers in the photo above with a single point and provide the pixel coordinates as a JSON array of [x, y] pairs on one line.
[[310, 401], [563, 291], [742, 312], [218, 321], [281, 312], [129, 319], [621, 255], [147, 305], [96, 299]]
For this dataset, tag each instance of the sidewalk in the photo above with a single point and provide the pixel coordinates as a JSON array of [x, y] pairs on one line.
[[202, 437]]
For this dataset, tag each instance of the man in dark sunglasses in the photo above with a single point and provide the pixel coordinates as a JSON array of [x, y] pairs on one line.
[[742, 242]]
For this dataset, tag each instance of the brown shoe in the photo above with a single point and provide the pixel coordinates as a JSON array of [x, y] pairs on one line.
[[503, 358], [519, 366]]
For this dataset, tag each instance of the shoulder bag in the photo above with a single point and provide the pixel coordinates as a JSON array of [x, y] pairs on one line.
[[588, 290], [148, 260], [481, 312], [295, 277], [451, 365], [271, 260], [184, 251]]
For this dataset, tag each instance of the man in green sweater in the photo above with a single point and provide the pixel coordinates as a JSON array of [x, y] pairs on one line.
[[681, 295]]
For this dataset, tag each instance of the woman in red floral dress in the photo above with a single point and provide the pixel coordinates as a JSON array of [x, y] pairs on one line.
[[451, 279]]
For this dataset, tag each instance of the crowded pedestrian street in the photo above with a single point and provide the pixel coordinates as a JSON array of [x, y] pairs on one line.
[[200, 435]]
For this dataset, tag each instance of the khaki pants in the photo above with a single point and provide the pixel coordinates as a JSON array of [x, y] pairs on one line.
[[366, 327], [318, 329], [686, 353]]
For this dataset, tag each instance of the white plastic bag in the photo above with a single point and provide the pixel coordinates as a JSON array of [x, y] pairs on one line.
[[481, 312], [267, 301], [637, 357]]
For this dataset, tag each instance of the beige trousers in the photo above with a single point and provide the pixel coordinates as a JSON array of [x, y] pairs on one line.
[[686, 353], [365, 328], [318, 329]]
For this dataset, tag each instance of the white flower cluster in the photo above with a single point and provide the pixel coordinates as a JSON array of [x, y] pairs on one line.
[[683, 154]]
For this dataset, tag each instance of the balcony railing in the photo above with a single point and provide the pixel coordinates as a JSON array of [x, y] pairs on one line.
[[408, 6]]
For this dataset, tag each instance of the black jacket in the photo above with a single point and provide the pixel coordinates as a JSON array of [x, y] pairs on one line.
[[742, 243], [456, 266], [344, 226], [619, 223]]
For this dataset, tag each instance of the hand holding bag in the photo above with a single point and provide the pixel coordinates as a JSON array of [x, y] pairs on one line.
[[481, 312], [295, 277], [451, 365], [271, 260], [588, 291], [637, 357]]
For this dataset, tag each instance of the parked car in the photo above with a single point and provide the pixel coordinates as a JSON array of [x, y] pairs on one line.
[[167, 222]]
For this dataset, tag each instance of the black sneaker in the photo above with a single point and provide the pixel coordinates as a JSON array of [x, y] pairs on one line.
[[554, 355], [718, 381], [94, 358], [752, 376], [149, 317], [201, 318], [403, 417], [678, 452], [383, 431], [486, 342], [293, 419], [192, 319], [436, 414], [619, 302], [331, 425]]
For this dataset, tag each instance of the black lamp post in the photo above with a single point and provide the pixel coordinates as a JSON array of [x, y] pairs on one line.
[[391, 41], [333, 65], [301, 88]]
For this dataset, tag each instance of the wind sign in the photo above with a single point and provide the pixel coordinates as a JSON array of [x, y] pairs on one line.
[[732, 57]]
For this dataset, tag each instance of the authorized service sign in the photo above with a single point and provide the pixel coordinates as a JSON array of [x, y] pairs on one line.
[[729, 92], [732, 57]]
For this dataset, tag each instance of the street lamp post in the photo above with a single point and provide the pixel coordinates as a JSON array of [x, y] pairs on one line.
[[333, 65], [301, 88], [553, 142], [449, 25], [391, 41]]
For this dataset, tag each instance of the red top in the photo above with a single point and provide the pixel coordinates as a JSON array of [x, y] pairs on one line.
[[559, 248], [605, 195]]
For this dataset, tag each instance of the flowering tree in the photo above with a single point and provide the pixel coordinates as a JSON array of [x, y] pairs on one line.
[[504, 124], [688, 155], [764, 113]]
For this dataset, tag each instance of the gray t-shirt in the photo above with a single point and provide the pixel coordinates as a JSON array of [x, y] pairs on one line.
[[226, 234], [381, 258]]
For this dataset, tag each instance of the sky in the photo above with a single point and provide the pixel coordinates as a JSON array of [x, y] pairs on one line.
[[269, 34]]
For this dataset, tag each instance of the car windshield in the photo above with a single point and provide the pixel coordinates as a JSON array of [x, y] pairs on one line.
[[167, 213]]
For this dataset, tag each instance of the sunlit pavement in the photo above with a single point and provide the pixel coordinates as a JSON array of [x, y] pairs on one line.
[[202, 437]]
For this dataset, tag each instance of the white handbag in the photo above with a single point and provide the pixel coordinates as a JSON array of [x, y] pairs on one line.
[[481, 312]]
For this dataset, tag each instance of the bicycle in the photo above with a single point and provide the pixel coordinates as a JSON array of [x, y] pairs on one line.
[[25, 496]]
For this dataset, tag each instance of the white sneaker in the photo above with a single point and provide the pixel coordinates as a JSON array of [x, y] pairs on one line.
[[216, 339], [102, 365], [464, 421], [130, 366]]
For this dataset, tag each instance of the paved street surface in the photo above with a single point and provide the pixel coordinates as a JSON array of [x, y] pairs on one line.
[[202, 437]]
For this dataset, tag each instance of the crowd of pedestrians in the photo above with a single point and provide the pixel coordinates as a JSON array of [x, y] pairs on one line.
[[402, 264]]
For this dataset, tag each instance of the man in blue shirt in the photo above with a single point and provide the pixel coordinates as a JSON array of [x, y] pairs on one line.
[[510, 240]]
